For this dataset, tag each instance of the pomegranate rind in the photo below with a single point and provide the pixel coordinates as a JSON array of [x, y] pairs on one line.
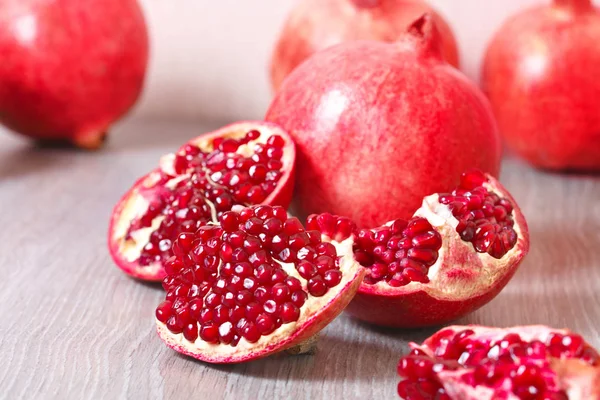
[[581, 381], [135, 202], [317, 313], [461, 280]]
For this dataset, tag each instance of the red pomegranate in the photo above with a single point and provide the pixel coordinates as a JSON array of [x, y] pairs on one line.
[[317, 24], [453, 256], [540, 73], [519, 363], [70, 68], [253, 285], [241, 164], [378, 126]]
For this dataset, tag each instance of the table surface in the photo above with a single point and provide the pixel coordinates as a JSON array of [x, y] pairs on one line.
[[74, 326]]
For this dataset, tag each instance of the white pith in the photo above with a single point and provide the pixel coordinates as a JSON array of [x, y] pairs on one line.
[[284, 336], [136, 204], [577, 378], [448, 279]]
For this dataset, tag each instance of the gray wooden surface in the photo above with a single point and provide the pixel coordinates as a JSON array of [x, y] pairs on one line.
[[72, 326]]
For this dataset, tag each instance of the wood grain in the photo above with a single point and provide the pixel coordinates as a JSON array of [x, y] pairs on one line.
[[73, 326]]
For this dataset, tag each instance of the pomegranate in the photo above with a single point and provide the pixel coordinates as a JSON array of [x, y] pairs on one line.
[[541, 65], [241, 164], [524, 362], [317, 24], [70, 68], [255, 284], [453, 256], [378, 126]]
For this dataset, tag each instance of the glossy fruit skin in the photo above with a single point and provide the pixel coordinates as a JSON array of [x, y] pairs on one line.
[[70, 68], [379, 126], [317, 24], [540, 75]]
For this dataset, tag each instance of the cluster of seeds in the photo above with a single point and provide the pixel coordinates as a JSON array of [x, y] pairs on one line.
[[400, 253], [485, 219], [245, 277], [491, 364], [240, 171]]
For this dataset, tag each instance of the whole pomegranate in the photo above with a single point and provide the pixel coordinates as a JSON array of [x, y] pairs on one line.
[[317, 24], [540, 73], [453, 256], [518, 363], [378, 126], [70, 68]]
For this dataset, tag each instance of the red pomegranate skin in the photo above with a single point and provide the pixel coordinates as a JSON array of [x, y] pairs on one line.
[[317, 24], [70, 68], [379, 126], [541, 75]]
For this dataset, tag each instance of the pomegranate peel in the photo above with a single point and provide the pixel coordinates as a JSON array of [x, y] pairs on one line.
[[207, 189], [234, 335], [424, 272], [523, 362]]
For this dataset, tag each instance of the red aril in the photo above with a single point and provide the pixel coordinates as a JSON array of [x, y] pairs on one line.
[[520, 363], [453, 256], [253, 285], [540, 73], [70, 68], [317, 24], [379, 126], [241, 164]]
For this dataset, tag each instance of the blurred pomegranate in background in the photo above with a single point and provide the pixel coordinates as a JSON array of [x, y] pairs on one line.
[[316, 24], [378, 126], [70, 68], [541, 75]]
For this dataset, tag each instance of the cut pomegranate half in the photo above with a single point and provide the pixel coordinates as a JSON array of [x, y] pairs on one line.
[[253, 285], [457, 252], [241, 164], [520, 363]]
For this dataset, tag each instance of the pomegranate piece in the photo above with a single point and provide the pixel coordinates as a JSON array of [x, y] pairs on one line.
[[453, 256], [540, 63], [241, 164], [253, 285], [523, 362], [432, 124], [70, 68], [314, 25]]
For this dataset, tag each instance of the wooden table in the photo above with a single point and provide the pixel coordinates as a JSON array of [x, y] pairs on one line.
[[73, 326]]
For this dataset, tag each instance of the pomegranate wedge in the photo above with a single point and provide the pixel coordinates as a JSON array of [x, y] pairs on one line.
[[519, 363], [241, 164], [253, 285], [457, 252]]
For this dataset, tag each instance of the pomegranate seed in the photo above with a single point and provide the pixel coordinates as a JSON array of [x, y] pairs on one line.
[[317, 286], [190, 332], [289, 312], [209, 333], [163, 311]]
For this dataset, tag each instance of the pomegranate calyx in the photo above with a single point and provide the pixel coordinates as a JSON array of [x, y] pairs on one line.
[[425, 36]]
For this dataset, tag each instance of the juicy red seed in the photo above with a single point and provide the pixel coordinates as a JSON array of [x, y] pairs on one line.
[[292, 226], [280, 292], [316, 286], [265, 324], [306, 269], [190, 332], [326, 249], [293, 284], [289, 312], [163, 311], [209, 333], [299, 298], [332, 277], [229, 221], [276, 141]]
